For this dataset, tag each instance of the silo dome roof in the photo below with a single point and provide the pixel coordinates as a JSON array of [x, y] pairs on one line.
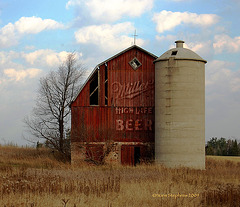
[[180, 53]]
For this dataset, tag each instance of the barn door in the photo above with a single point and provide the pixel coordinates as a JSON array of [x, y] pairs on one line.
[[136, 155], [130, 155], [127, 155]]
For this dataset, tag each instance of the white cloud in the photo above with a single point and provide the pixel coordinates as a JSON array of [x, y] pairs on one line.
[[73, 3], [168, 20], [193, 42], [56, 58], [217, 72], [110, 11], [8, 36], [167, 41], [11, 33], [166, 38], [34, 56], [7, 57], [48, 57], [221, 78], [44, 59], [224, 43], [197, 47], [202, 48], [107, 37], [34, 25], [18, 75], [17, 66]]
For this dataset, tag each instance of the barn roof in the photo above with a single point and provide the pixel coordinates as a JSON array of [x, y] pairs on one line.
[[111, 58]]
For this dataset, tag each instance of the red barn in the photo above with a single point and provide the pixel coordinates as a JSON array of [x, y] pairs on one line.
[[113, 114]]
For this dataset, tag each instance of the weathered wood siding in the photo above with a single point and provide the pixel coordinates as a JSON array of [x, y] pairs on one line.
[[98, 124]]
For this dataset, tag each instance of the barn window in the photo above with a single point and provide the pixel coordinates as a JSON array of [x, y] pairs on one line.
[[106, 84], [174, 52], [94, 90], [135, 63]]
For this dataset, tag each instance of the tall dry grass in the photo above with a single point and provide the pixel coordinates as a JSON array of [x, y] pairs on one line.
[[35, 178], [29, 157]]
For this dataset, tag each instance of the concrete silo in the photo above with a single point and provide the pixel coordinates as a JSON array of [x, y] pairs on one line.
[[180, 108]]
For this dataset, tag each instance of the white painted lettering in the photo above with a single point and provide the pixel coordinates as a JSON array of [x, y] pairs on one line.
[[119, 125], [129, 125], [131, 90]]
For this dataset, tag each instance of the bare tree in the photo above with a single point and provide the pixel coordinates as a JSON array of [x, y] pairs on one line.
[[50, 117]]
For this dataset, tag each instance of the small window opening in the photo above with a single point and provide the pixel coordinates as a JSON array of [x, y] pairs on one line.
[[106, 71], [106, 84], [174, 52], [135, 63], [94, 90], [106, 93]]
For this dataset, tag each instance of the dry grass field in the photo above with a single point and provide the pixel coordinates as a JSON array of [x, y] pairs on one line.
[[35, 178]]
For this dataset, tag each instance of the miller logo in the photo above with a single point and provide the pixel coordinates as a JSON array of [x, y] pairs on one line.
[[131, 90]]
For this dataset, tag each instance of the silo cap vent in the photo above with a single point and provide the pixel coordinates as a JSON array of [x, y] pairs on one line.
[[179, 43]]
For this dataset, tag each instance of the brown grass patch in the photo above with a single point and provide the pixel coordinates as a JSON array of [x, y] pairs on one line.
[[32, 178]]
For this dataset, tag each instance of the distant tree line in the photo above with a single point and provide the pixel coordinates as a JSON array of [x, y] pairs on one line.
[[222, 147]]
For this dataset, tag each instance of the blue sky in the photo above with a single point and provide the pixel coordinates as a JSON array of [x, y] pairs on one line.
[[35, 36]]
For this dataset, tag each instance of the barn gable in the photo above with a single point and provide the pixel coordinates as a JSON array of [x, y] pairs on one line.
[[103, 66]]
